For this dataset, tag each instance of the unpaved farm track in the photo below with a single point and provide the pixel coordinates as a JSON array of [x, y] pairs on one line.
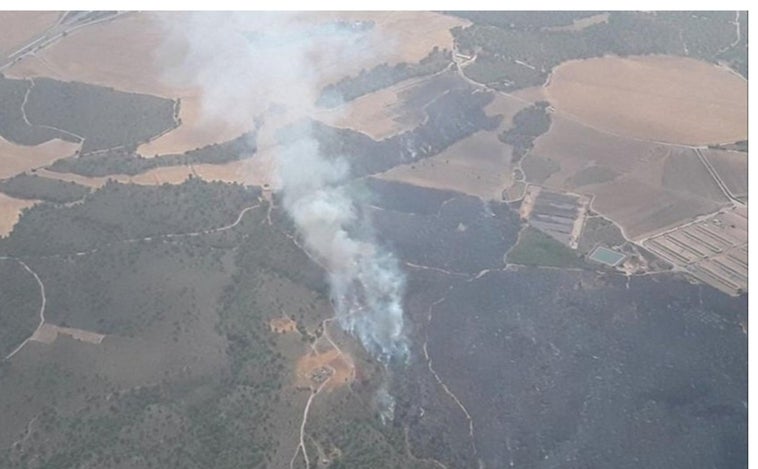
[[41, 309]]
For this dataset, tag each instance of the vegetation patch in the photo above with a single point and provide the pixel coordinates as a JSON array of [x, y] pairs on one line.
[[102, 117], [118, 212], [13, 126], [450, 118], [599, 231], [518, 51], [528, 124], [121, 161], [20, 300], [31, 186], [382, 76], [536, 248]]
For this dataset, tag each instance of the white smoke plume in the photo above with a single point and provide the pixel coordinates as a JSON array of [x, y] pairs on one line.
[[246, 63]]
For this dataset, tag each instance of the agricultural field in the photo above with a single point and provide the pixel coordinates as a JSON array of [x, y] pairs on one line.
[[713, 249], [534, 247], [20, 158], [479, 165], [19, 27], [731, 167], [627, 179], [666, 99], [516, 50]]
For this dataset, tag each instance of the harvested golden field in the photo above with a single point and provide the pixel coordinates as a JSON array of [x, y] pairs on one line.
[[10, 211], [379, 115], [254, 171], [479, 165], [15, 159], [19, 27], [406, 36], [118, 53], [644, 187], [195, 131], [659, 98], [402, 107], [575, 147], [532, 94], [93, 182]]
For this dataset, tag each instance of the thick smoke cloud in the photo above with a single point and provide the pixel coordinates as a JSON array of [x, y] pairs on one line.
[[246, 63]]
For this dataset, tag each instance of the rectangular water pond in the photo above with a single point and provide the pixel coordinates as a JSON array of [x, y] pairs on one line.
[[607, 256]]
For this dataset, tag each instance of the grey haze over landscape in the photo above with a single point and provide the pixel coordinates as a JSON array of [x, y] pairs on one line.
[[386, 239]]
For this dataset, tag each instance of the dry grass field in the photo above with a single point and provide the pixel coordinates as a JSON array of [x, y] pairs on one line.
[[18, 27], [659, 98], [505, 106], [406, 36], [532, 94], [119, 53], [379, 115], [48, 333], [15, 159], [10, 211], [255, 171], [479, 165], [650, 186]]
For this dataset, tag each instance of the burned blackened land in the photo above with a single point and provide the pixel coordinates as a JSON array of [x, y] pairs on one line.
[[451, 117], [585, 371], [406, 198], [122, 161], [437, 427], [466, 235]]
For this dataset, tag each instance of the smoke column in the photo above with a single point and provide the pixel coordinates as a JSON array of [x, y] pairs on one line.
[[276, 64], [366, 283]]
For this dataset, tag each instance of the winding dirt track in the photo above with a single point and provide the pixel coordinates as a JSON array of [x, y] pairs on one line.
[[41, 309]]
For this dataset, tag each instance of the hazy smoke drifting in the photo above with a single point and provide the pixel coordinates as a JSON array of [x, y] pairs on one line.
[[367, 285], [246, 62]]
